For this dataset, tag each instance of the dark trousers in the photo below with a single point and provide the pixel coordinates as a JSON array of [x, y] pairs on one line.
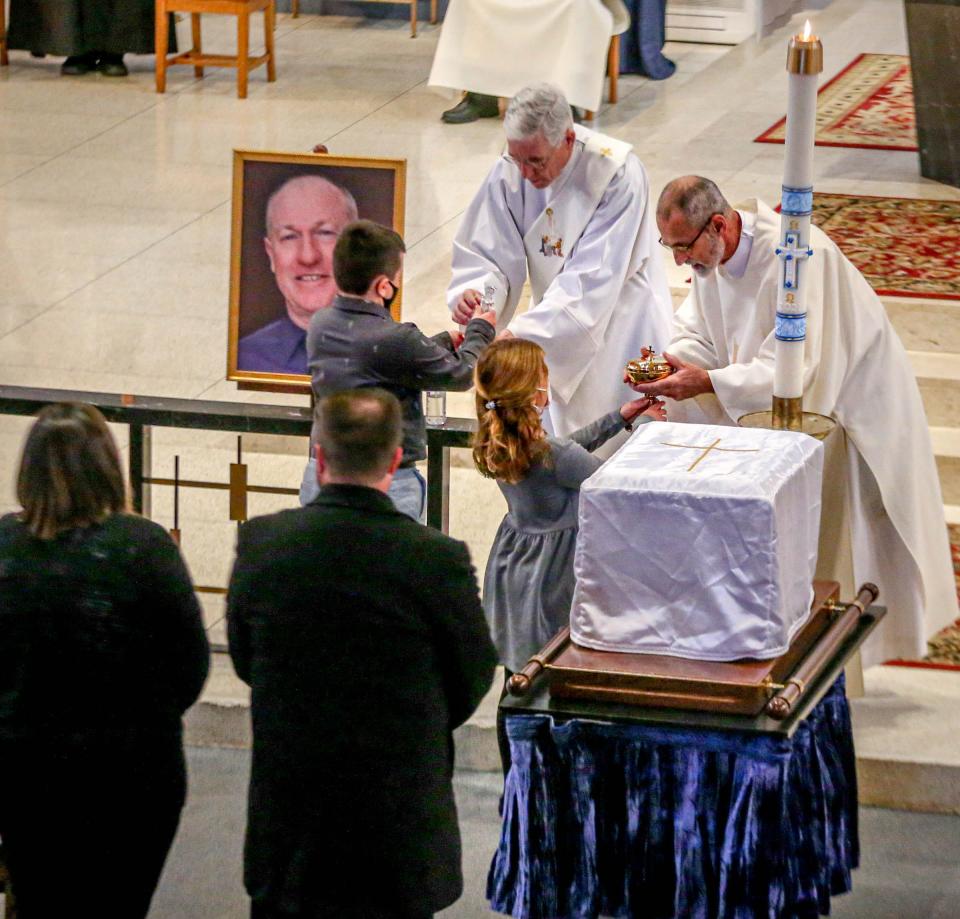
[[72, 823]]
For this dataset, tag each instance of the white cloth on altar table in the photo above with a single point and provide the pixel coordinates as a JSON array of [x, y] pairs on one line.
[[856, 371], [497, 47], [699, 541], [597, 303]]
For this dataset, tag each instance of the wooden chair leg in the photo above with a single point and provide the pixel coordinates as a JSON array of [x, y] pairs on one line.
[[294, 8], [243, 53], [587, 115], [269, 24], [197, 42], [433, 12], [4, 57], [613, 68], [161, 41], [413, 18]]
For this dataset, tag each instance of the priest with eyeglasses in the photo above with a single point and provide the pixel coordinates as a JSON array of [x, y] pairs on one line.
[[569, 209], [882, 517]]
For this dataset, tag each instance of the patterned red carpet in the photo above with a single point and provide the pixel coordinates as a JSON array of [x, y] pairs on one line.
[[905, 247], [869, 104]]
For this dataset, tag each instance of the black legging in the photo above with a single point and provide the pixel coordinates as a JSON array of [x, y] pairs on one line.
[[502, 741]]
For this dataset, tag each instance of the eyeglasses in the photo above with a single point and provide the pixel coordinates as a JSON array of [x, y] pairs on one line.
[[686, 247], [536, 163]]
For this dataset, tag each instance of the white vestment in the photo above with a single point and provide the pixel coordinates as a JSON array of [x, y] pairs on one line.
[[497, 47], [598, 285], [856, 371]]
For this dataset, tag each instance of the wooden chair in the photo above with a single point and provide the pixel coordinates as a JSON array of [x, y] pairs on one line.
[[613, 74], [195, 56], [295, 11], [4, 59]]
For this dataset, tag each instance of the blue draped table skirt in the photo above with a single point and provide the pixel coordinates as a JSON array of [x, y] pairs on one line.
[[630, 820]]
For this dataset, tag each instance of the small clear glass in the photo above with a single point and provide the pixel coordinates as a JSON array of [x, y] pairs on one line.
[[487, 302], [436, 406]]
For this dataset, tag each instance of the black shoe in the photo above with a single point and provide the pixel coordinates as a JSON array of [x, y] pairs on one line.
[[470, 108], [78, 64], [111, 65]]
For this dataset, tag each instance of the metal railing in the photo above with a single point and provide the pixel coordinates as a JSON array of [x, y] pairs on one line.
[[142, 413]]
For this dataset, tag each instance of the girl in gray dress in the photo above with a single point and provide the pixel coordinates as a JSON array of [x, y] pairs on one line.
[[528, 584]]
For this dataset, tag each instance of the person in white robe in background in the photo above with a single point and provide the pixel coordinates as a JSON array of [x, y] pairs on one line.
[[569, 207], [882, 513], [496, 47]]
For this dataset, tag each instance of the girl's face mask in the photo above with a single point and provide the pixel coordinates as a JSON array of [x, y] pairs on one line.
[[537, 407]]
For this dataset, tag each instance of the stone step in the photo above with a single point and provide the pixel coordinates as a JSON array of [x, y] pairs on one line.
[[946, 449], [938, 376], [906, 731], [925, 325]]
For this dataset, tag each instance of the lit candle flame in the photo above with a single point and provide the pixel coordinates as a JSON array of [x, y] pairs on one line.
[[807, 30]]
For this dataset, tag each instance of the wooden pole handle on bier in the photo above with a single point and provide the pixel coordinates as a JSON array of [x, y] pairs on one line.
[[783, 702], [520, 682]]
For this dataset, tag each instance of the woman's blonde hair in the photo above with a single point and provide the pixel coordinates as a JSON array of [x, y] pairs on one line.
[[70, 474], [510, 439]]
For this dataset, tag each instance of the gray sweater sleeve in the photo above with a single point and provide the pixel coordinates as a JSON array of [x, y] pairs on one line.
[[411, 359], [598, 432]]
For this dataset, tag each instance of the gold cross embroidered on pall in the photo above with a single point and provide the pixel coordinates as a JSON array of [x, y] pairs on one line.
[[707, 450]]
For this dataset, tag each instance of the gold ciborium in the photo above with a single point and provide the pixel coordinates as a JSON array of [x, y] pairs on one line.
[[648, 367]]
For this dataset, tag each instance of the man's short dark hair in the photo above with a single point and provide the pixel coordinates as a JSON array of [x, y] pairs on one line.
[[365, 250], [359, 431]]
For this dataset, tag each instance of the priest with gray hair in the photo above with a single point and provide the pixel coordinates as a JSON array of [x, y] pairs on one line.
[[567, 208]]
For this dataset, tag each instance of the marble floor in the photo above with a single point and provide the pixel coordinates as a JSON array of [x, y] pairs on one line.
[[910, 866], [115, 211]]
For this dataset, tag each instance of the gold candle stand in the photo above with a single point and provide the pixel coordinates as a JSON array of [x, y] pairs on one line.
[[788, 415]]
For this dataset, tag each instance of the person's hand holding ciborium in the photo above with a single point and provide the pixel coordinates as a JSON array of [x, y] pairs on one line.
[[664, 376]]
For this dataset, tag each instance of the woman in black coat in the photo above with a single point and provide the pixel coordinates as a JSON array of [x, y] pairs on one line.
[[102, 649]]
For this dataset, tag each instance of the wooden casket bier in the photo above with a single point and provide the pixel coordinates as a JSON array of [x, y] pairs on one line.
[[746, 687]]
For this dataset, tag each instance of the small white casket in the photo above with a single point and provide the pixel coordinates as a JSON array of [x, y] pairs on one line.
[[700, 553]]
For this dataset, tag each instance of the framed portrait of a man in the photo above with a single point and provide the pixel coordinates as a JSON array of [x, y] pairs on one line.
[[288, 211]]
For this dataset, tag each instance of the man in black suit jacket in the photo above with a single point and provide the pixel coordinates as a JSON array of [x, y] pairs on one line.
[[362, 637]]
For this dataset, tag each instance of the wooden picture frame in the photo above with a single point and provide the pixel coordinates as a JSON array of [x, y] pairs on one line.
[[271, 294]]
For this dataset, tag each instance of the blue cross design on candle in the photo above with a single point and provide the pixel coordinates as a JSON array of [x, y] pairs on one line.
[[792, 252]]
